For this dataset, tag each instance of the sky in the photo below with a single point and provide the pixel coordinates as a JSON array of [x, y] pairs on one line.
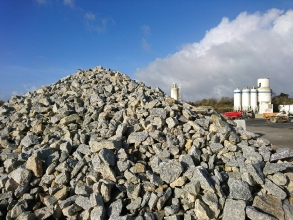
[[208, 47]]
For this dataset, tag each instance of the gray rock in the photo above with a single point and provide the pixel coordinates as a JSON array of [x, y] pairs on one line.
[[21, 176], [71, 210], [269, 204], [96, 146], [200, 175], [234, 210], [265, 153], [18, 209], [253, 213], [256, 172], [170, 170], [239, 190], [29, 140], [211, 199], [84, 202], [78, 167], [282, 153], [288, 209], [62, 178], [98, 213], [83, 189], [274, 189], [159, 112], [107, 156], [153, 201], [135, 204], [115, 208], [137, 137], [271, 168], [69, 119], [216, 147], [202, 211], [162, 200], [186, 161], [26, 216], [279, 179], [172, 122], [133, 190], [43, 213]]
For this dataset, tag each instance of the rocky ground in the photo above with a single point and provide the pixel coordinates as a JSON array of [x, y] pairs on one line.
[[98, 145]]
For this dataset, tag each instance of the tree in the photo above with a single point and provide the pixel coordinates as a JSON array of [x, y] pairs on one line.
[[225, 104], [1, 102], [282, 99]]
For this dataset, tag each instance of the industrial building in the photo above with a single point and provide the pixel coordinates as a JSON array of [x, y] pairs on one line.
[[254, 99], [175, 91]]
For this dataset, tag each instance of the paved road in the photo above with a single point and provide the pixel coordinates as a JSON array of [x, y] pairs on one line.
[[279, 134]]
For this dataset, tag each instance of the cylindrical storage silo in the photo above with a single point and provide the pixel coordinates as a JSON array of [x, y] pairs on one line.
[[253, 98], [264, 94], [237, 99], [175, 91], [245, 99], [263, 82]]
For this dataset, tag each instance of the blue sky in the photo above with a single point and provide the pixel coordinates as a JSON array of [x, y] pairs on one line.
[[209, 47]]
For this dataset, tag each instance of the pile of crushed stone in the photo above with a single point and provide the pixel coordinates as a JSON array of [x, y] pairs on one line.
[[98, 145]]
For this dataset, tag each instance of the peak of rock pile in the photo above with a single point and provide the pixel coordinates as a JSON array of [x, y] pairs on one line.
[[98, 145]]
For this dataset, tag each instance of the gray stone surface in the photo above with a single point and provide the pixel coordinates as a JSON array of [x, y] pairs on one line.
[[282, 153], [98, 145], [234, 210], [253, 213], [170, 170], [239, 190], [270, 204]]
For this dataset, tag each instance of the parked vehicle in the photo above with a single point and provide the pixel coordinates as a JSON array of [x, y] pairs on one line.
[[285, 114], [239, 114]]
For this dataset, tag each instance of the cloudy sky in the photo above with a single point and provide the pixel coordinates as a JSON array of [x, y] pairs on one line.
[[208, 47]]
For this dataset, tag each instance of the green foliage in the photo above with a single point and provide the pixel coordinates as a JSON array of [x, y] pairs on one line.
[[225, 104], [282, 99]]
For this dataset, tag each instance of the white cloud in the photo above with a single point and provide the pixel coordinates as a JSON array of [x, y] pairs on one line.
[[98, 24], [144, 42], [146, 29], [90, 16], [145, 45], [30, 88], [234, 54], [69, 3]]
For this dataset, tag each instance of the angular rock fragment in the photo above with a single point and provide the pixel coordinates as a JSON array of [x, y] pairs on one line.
[[234, 209]]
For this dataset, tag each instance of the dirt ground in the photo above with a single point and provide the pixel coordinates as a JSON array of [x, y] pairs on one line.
[[279, 134]]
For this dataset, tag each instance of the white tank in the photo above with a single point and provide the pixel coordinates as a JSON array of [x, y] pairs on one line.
[[245, 99], [263, 82], [237, 99], [253, 99], [175, 91], [264, 90], [286, 108], [264, 94]]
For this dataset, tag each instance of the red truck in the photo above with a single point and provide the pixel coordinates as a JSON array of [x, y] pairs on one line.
[[239, 114], [234, 115]]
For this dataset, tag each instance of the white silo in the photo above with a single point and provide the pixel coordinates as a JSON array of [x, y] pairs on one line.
[[263, 82], [237, 99], [175, 91], [264, 90], [245, 99], [253, 99]]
